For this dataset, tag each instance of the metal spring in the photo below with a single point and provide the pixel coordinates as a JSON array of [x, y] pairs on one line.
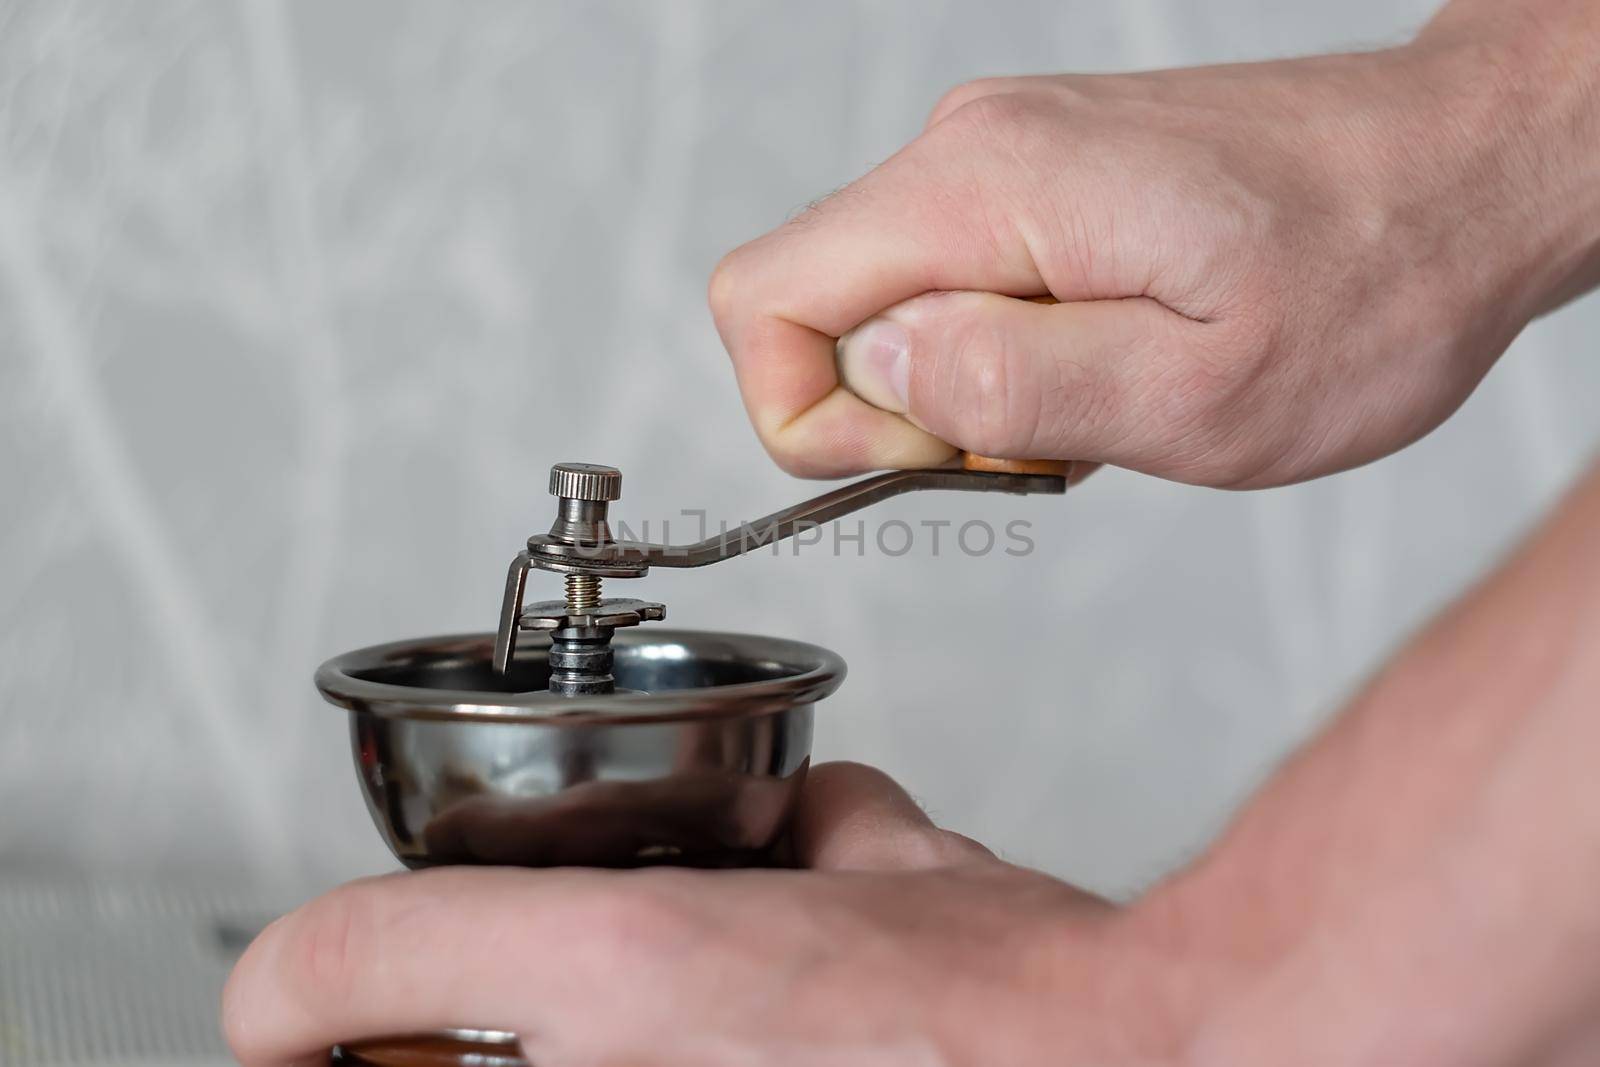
[[583, 592]]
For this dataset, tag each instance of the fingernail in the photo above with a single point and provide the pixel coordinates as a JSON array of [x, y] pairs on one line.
[[875, 363]]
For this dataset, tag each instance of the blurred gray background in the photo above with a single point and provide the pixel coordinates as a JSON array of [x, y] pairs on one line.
[[297, 303]]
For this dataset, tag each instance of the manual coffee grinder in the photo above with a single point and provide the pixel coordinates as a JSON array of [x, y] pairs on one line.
[[573, 736]]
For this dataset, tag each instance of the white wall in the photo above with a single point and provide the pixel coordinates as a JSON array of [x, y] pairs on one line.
[[298, 302]]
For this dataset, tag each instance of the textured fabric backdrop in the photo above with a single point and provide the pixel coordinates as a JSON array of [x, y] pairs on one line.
[[298, 302]]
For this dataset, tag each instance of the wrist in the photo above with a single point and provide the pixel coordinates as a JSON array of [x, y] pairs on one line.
[[1418, 885], [1510, 124]]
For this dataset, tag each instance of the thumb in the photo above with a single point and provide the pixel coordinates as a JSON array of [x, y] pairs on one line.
[[1016, 379]]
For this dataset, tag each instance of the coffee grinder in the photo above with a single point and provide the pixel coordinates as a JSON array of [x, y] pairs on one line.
[[574, 735]]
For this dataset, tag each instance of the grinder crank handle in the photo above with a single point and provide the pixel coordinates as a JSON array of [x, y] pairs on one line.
[[633, 559], [853, 497], [623, 559], [1056, 468], [605, 558], [560, 551]]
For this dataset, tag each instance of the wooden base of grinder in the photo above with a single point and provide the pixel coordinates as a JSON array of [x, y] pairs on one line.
[[482, 1049]]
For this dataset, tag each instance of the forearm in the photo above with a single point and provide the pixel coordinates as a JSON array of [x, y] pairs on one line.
[[1556, 25], [1420, 884], [1524, 104]]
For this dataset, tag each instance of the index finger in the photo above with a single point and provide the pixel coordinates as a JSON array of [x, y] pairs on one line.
[[916, 223], [498, 948]]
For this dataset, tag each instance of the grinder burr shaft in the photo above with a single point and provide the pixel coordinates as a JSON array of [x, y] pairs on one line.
[[580, 649]]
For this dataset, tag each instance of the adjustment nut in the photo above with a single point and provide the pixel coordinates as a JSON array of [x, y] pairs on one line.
[[585, 481], [609, 613]]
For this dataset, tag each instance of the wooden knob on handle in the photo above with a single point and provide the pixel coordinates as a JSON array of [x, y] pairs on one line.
[[971, 461]]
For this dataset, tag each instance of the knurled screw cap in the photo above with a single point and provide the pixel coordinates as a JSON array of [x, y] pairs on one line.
[[585, 481]]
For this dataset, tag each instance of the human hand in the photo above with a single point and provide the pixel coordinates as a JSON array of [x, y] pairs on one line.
[[1267, 272], [903, 944], [1417, 887]]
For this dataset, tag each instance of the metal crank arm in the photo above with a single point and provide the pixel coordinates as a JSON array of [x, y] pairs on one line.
[[580, 545], [808, 514]]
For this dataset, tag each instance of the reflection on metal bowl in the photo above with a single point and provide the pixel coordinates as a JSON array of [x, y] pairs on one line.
[[697, 760]]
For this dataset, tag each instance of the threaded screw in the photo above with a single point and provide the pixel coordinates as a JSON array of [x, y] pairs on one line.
[[583, 593]]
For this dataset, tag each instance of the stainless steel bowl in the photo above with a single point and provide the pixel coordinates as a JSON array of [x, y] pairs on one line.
[[699, 764]]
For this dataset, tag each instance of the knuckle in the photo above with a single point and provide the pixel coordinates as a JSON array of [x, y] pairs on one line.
[[1024, 126], [808, 450], [326, 937], [988, 378], [795, 458], [962, 845], [726, 284], [328, 947], [955, 99], [798, 464], [955, 849], [994, 112]]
